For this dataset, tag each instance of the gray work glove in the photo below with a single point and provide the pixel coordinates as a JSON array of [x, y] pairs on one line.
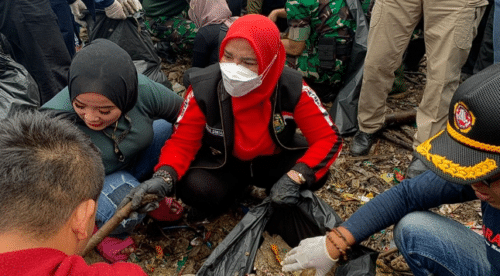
[[130, 7], [285, 191], [77, 9], [115, 11], [310, 253], [161, 184]]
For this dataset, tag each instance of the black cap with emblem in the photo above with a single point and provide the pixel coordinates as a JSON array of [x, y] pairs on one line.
[[468, 150]]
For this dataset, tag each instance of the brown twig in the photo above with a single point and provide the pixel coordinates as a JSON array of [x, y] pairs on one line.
[[411, 80], [113, 222], [396, 141], [400, 117], [409, 133], [400, 136], [388, 252], [414, 73], [367, 157], [376, 147]]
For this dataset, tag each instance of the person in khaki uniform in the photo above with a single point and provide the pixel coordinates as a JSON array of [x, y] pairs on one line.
[[449, 28]]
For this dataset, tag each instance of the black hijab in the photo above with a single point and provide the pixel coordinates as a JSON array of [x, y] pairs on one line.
[[105, 68]]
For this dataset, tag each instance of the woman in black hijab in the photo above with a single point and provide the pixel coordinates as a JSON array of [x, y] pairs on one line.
[[120, 110]]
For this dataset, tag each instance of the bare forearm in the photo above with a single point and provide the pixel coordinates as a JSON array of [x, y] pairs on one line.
[[293, 48], [277, 13]]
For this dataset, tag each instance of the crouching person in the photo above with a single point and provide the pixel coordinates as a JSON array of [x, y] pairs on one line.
[[50, 177], [464, 163]]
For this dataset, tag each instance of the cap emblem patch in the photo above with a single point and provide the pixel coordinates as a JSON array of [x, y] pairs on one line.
[[464, 120]]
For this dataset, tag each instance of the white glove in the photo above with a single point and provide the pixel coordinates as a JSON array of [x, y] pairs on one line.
[[77, 9], [115, 11], [130, 7], [310, 253]]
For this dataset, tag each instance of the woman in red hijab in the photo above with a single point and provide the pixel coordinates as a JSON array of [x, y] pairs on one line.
[[237, 127]]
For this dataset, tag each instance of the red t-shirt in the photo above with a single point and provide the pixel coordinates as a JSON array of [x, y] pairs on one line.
[[48, 261]]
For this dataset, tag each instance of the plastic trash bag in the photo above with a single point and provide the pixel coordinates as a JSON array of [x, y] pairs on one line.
[[235, 255], [344, 110], [18, 90], [132, 36]]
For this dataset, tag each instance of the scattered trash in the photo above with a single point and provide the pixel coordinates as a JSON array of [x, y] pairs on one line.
[[348, 197], [370, 164], [472, 225], [196, 241], [366, 198], [159, 252], [274, 248], [398, 175], [178, 88], [181, 263], [387, 177]]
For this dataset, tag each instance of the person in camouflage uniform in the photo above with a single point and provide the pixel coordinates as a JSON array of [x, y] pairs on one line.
[[310, 20], [167, 20]]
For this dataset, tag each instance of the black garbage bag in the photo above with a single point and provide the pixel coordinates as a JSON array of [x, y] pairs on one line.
[[132, 36], [18, 90], [311, 217], [236, 253], [344, 110]]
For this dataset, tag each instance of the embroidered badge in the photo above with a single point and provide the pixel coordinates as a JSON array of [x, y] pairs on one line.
[[464, 119], [214, 131], [278, 123]]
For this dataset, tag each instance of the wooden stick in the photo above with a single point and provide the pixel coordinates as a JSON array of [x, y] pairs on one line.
[[409, 133], [368, 157], [113, 222], [412, 81], [388, 252], [401, 117], [397, 141], [400, 136]]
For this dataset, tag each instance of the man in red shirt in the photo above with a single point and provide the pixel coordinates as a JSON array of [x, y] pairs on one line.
[[50, 177]]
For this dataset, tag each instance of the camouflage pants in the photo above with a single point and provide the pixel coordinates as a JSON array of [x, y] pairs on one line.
[[177, 30], [309, 68]]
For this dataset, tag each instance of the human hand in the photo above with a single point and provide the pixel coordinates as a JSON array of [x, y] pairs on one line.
[[130, 7], [310, 253], [77, 9], [115, 11], [160, 186], [285, 191]]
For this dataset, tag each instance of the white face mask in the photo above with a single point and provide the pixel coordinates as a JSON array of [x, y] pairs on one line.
[[239, 80]]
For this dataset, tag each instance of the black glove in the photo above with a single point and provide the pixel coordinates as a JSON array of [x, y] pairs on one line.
[[285, 191], [161, 184]]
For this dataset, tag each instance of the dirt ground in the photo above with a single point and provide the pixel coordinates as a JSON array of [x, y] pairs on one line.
[[180, 248]]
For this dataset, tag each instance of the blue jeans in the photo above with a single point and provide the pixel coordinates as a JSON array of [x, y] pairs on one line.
[[434, 245], [118, 184]]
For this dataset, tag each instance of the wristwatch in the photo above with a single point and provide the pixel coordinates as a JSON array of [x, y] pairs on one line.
[[164, 175], [297, 177]]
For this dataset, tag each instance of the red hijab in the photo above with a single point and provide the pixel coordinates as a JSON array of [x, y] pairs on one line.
[[252, 112]]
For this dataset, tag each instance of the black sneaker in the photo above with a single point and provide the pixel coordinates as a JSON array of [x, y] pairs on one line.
[[362, 142]]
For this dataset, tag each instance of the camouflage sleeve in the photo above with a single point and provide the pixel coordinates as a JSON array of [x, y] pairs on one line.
[[339, 22], [299, 13], [254, 6]]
